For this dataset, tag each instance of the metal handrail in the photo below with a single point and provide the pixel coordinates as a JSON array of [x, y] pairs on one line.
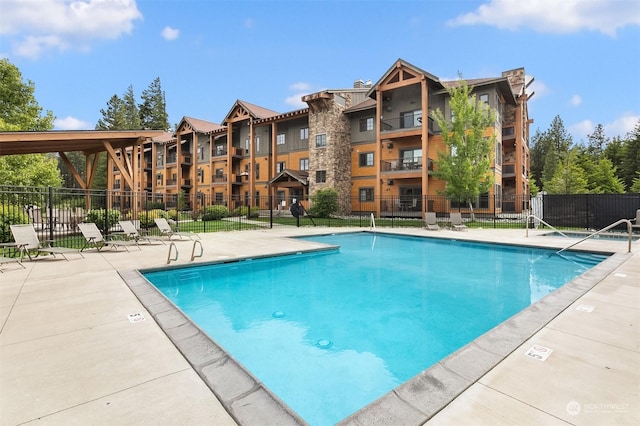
[[550, 226], [169, 259], [193, 249], [629, 229], [372, 224]]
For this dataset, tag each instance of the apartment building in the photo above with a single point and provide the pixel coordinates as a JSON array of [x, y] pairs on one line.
[[373, 142]]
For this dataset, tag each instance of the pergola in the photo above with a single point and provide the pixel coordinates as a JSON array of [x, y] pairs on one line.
[[89, 142]]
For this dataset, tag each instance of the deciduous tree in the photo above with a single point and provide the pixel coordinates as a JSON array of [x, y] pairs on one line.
[[465, 165]]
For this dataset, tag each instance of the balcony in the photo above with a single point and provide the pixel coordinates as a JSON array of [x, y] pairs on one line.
[[508, 170], [508, 133], [186, 184], [172, 182], [237, 152], [237, 180], [219, 178], [405, 164], [407, 122], [186, 160], [219, 152]]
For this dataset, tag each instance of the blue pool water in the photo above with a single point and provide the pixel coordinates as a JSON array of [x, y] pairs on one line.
[[330, 332]]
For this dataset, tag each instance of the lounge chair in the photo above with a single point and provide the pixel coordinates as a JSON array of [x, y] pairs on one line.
[[165, 229], [27, 241], [430, 222], [4, 260], [129, 229], [456, 221], [94, 238], [636, 220]]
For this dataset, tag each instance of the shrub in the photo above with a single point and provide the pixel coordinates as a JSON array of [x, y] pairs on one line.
[[104, 219], [10, 214], [155, 205], [173, 214], [325, 203], [242, 211], [146, 218], [215, 213]]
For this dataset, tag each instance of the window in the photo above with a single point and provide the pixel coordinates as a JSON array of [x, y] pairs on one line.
[[411, 119], [257, 171], [159, 179], [257, 143], [366, 124], [280, 166], [220, 150], [321, 140], [366, 194], [281, 139], [484, 98], [200, 175], [304, 164], [218, 198], [160, 158], [246, 145], [411, 158], [304, 133], [200, 152], [321, 176], [498, 157], [366, 159]]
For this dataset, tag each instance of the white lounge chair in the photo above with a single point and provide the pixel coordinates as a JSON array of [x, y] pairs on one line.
[[94, 238], [4, 260], [165, 229], [129, 229], [430, 222], [456, 221], [27, 242]]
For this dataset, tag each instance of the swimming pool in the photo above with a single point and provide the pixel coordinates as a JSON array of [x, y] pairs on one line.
[[296, 331]]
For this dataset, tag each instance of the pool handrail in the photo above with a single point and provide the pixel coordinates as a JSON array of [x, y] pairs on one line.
[[372, 224], [629, 229], [544, 223], [193, 249], [169, 259]]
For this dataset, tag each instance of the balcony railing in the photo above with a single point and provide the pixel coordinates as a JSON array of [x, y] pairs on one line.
[[508, 170], [172, 182], [508, 132], [219, 152], [186, 159], [400, 164], [407, 122], [219, 178]]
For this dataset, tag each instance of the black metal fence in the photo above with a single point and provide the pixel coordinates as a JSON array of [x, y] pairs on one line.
[[55, 212]]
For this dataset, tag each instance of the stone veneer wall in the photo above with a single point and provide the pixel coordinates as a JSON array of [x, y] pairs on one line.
[[326, 116]]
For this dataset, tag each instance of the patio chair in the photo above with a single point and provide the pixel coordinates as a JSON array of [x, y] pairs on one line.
[[165, 229], [636, 220], [27, 241], [129, 229], [430, 222], [4, 260], [94, 238], [456, 221]]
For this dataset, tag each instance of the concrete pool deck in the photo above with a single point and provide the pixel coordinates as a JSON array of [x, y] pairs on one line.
[[74, 350]]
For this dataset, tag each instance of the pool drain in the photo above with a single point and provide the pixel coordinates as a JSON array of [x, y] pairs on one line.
[[278, 314], [324, 343]]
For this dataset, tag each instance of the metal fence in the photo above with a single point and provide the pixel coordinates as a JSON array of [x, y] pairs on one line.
[[55, 212]]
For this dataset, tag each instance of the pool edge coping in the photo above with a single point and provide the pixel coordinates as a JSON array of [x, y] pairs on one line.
[[248, 401]]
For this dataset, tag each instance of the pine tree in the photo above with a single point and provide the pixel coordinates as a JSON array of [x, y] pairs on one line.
[[548, 148], [114, 118], [153, 109], [630, 161], [569, 178], [131, 111]]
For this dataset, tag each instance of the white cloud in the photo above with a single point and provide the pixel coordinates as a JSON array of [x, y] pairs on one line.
[[72, 123], [300, 86], [621, 125], [553, 16], [618, 127], [539, 89], [249, 23], [576, 100], [295, 100], [580, 130], [36, 26], [169, 33]]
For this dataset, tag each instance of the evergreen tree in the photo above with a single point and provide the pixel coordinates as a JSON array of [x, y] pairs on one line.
[[569, 178], [20, 111], [548, 148], [602, 179], [131, 111], [115, 117], [597, 142], [153, 109], [466, 164], [630, 162]]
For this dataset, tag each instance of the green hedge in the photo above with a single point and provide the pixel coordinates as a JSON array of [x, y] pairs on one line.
[[215, 213]]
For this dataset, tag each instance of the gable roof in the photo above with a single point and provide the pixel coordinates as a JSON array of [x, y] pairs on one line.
[[399, 64], [200, 126], [254, 111], [502, 83], [290, 176]]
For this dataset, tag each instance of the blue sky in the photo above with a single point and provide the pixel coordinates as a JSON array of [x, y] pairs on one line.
[[583, 54]]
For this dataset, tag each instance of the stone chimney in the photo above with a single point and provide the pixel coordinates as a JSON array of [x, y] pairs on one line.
[[358, 84]]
